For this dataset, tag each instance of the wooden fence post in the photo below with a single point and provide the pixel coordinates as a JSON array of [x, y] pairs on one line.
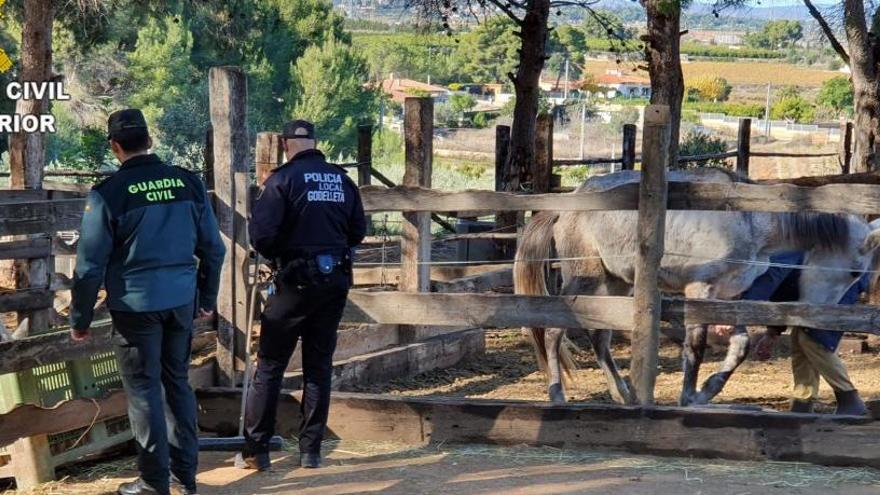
[[415, 239], [543, 167], [504, 221], [365, 163], [743, 147], [651, 227], [845, 148], [502, 147], [268, 154], [208, 156], [228, 100], [628, 155]]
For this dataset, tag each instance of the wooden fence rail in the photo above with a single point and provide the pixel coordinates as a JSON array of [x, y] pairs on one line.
[[500, 311], [856, 199]]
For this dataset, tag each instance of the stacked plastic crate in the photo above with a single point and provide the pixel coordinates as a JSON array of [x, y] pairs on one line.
[[48, 385]]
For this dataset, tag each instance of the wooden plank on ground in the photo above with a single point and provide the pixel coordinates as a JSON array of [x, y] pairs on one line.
[[31, 420], [402, 361], [858, 199], [680, 432]]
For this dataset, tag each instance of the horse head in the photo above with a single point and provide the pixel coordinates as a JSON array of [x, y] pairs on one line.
[[830, 272]]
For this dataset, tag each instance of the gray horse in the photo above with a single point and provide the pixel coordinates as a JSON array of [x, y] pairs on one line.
[[597, 249]]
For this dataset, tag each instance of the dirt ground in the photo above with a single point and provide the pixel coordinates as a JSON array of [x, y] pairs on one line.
[[477, 469], [508, 371]]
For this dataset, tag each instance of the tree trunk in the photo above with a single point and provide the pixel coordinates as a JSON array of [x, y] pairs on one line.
[[863, 55], [27, 150], [526, 84], [662, 50]]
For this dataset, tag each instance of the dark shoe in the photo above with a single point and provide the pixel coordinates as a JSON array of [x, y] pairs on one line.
[[310, 461], [181, 488], [801, 406], [849, 403], [260, 461], [137, 487]]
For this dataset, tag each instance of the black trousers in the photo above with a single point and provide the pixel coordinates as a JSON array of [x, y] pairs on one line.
[[154, 362], [309, 313]]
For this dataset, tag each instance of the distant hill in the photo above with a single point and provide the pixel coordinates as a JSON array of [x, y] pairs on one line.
[[757, 13]]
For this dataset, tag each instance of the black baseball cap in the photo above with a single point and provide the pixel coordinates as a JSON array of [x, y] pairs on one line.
[[298, 129], [130, 118]]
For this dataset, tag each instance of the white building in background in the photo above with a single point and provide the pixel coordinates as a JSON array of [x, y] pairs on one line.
[[615, 83]]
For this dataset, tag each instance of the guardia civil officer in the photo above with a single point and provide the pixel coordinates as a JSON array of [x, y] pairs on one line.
[[150, 237], [306, 219]]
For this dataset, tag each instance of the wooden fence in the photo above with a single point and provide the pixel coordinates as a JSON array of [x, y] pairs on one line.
[[27, 212]]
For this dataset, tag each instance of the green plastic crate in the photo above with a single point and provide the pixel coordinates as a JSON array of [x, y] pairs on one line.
[[52, 383]]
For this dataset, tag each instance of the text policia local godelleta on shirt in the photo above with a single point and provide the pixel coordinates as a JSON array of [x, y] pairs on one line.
[[329, 188]]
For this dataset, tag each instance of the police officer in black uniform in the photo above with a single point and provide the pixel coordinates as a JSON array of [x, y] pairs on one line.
[[307, 218], [150, 237]]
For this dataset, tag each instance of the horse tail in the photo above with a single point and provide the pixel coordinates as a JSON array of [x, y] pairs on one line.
[[529, 269]]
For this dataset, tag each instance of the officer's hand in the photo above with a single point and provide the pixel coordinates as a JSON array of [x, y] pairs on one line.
[[79, 335], [204, 313], [722, 330]]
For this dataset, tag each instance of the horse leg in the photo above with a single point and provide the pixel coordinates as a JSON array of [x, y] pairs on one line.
[[553, 341], [601, 340], [737, 351], [694, 348]]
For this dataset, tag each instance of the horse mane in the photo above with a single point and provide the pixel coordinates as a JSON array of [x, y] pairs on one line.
[[810, 230]]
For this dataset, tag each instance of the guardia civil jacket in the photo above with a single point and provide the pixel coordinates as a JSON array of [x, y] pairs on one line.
[[150, 236]]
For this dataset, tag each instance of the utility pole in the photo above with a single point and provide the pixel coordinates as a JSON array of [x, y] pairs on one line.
[[381, 114], [583, 124], [565, 91], [767, 114]]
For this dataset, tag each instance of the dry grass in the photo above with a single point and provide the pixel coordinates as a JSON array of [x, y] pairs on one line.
[[736, 73]]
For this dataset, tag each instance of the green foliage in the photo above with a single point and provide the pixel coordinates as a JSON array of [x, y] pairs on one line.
[[836, 93], [793, 107], [605, 24], [700, 50], [776, 34], [481, 120], [410, 55], [461, 103], [156, 55], [708, 88], [489, 52], [327, 88], [698, 143], [727, 108], [168, 88]]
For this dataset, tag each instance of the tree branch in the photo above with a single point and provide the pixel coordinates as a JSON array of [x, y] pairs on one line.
[[826, 29], [505, 7]]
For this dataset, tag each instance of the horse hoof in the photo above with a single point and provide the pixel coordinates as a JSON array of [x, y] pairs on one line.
[[685, 400], [700, 399], [557, 396]]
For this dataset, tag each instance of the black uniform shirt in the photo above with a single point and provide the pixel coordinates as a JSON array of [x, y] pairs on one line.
[[307, 207]]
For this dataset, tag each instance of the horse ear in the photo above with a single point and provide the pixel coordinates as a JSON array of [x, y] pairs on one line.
[[871, 243]]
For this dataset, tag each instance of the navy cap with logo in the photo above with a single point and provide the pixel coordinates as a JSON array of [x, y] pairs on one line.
[[122, 120], [298, 129]]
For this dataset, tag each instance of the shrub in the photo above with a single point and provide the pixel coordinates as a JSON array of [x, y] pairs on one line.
[[700, 143]]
